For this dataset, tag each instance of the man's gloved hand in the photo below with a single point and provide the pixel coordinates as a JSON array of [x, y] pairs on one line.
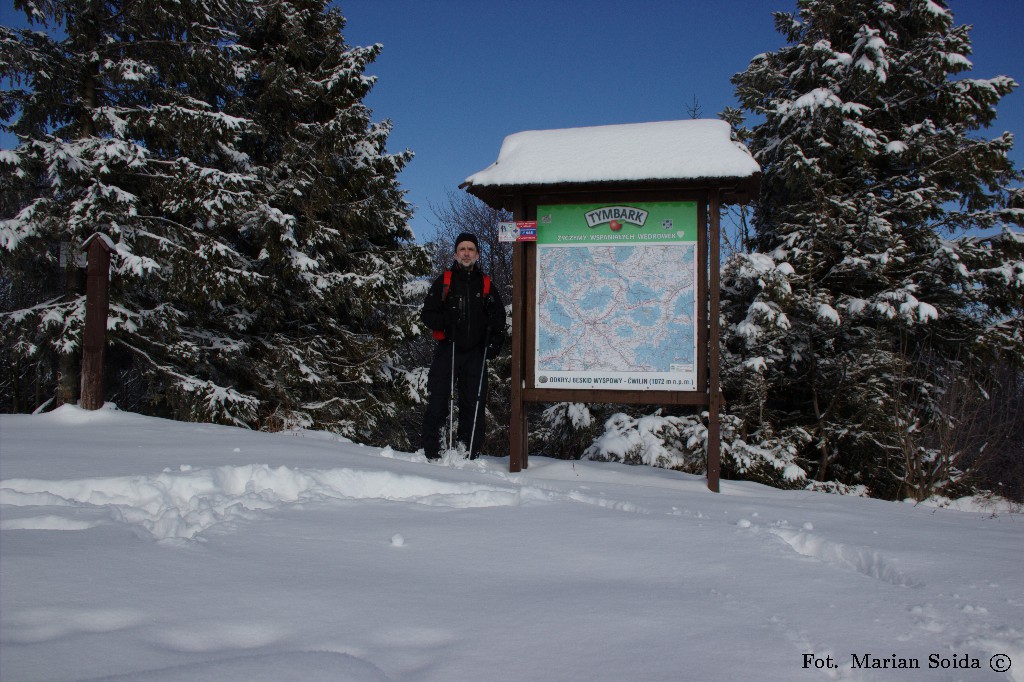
[[451, 319], [495, 345]]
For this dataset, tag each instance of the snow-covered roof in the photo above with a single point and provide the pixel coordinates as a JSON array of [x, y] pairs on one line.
[[634, 152]]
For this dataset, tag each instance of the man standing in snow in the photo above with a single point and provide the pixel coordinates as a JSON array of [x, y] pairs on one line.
[[467, 317]]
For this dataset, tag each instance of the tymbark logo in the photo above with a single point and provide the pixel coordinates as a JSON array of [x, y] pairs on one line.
[[617, 215]]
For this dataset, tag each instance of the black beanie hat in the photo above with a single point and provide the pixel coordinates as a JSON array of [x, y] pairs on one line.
[[466, 237]]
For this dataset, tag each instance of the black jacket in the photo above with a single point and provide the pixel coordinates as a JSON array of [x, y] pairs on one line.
[[465, 315]]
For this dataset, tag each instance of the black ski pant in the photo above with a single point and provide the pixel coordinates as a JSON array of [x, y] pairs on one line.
[[467, 367]]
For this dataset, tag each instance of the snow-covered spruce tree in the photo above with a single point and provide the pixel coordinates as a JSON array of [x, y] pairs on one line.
[[887, 258], [115, 110], [332, 240], [152, 123]]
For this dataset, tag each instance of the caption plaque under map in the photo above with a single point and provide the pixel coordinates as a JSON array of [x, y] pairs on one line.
[[617, 296]]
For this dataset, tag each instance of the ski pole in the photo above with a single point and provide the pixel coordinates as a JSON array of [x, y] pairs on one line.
[[451, 401], [479, 391]]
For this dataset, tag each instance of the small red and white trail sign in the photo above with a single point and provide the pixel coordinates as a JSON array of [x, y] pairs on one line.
[[517, 231]]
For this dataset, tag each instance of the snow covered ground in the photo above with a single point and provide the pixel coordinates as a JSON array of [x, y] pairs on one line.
[[134, 548]]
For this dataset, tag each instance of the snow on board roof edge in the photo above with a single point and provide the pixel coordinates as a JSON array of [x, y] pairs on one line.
[[633, 152]]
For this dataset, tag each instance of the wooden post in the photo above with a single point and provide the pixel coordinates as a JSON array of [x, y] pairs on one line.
[[517, 431], [94, 339], [714, 393]]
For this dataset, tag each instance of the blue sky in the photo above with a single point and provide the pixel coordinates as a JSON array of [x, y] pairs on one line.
[[457, 76]]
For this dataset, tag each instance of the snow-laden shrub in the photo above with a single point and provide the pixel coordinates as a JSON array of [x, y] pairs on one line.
[[681, 443], [566, 430], [656, 439], [767, 459], [575, 415], [837, 488]]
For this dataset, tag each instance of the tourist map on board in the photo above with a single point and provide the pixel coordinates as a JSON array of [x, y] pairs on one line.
[[616, 296]]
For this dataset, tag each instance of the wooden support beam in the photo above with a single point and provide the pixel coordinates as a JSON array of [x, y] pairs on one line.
[[97, 306], [714, 392], [517, 432]]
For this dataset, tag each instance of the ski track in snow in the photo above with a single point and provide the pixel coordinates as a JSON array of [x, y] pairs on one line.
[[938, 613], [33, 625], [176, 505], [316, 666], [180, 505], [866, 561]]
